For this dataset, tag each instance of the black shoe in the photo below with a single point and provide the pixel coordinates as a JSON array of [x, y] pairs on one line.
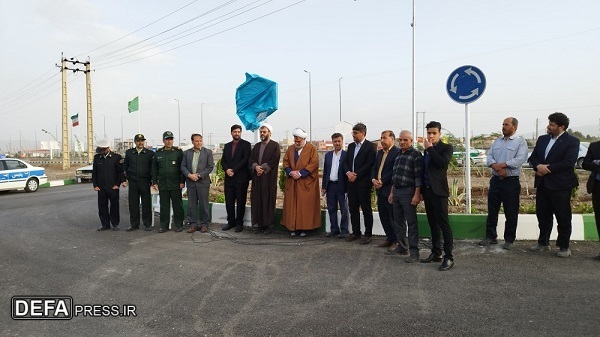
[[257, 230], [147, 228], [116, 228], [432, 258], [102, 228], [267, 231], [162, 230], [446, 265], [132, 228], [239, 229], [227, 227], [178, 229]]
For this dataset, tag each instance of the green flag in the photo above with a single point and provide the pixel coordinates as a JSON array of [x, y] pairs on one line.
[[133, 105]]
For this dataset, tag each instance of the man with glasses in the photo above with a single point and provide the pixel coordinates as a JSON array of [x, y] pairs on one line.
[[137, 167]]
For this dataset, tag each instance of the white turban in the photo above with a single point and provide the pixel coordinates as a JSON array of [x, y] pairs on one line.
[[267, 126], [299, 133]]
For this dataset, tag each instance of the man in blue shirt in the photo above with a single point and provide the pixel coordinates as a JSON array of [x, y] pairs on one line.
[[505, 158]]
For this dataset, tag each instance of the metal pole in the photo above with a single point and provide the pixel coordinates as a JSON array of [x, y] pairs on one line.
[[414, 111], [309, 105], [202, 118], [90, 119], [467, 159], [66, 162], [179, 120], [340, 85]]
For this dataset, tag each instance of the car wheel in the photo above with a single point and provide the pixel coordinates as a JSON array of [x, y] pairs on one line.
[[579, 163], [32, 185]]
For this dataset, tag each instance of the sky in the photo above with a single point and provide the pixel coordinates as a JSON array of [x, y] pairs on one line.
[[538, 56]]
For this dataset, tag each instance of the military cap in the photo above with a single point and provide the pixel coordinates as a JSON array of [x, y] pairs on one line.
[[168, 134], [139, 136]]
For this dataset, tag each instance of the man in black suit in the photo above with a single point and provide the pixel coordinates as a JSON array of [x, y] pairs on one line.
[[237, 177], [359, 162], [553, 160], [333, 187], [435, 194], [591, 162], [381, 178]]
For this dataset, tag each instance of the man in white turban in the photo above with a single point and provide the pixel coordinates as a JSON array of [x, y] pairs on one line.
[[301, 203]]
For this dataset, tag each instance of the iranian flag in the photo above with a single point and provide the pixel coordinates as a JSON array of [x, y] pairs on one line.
[[75, 120]]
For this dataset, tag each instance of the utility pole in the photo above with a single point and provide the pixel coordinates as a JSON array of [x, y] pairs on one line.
[[65, 130], [537, 122]]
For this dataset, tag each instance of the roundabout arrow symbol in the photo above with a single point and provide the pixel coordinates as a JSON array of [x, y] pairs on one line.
[[474, 92], [452, 85], [471, 72]]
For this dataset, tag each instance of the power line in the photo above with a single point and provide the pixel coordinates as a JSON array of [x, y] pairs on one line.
[[206, 37], [171, 38], [111, 54], [137, 30]]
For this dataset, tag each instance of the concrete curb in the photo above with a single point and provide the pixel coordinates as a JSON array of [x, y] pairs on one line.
[[54, 183], [464, 226]]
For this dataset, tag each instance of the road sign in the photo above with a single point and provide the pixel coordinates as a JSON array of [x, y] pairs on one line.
[[465, 84]]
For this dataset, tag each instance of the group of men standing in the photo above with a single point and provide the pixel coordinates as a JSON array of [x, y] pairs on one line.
[[402, 177], [166, 171]]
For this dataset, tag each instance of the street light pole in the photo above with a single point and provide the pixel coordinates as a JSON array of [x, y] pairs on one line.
[[202, 118], [309, 106], [179, 120], [340, 85]]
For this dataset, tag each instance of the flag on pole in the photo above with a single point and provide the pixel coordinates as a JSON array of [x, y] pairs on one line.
[[75, 120], [133, 105]]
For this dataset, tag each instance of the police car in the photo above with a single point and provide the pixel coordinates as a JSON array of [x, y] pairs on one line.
[[16, 174]]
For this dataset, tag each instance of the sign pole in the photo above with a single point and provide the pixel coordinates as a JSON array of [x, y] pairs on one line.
[[467, 159]]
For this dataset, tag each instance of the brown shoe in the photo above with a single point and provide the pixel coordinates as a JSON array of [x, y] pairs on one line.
[[385, 244], [352, 237], [394, 246], [192, 229], [203, 229], [366, 240]]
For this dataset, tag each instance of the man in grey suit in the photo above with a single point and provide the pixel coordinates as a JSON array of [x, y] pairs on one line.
[[196, 166]]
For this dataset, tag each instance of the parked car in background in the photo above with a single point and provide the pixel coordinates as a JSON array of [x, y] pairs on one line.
[[583, 149], [478, 157], [84, 174], [16, 174]]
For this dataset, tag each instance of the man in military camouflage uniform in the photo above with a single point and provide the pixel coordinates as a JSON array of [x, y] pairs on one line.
[[107, 175], [168, 180], [137, 167]]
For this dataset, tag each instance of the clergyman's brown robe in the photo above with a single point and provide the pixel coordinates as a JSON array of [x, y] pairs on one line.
[[263, 194], [301, 203]]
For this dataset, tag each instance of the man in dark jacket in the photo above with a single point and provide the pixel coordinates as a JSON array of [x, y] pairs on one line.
[[435, 194], [107, 175], [137, 167], [553, 160], [237, 178]]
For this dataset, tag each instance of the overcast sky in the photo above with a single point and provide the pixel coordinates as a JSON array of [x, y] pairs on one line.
[[539, 56]]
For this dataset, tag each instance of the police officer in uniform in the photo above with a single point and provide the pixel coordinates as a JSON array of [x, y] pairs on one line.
[[107, 175], [168, 180], [137, 167]]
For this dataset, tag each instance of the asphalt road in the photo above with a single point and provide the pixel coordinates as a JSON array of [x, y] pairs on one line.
[[184, 285]]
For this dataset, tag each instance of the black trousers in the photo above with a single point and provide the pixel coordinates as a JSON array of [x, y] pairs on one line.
[[360, 199], [437, 216], [108, 207], [596, 204], [236, 194], [558, 203], [507, 192], [139, 190]]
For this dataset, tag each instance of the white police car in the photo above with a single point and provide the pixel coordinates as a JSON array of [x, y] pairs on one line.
[[16, 174]]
